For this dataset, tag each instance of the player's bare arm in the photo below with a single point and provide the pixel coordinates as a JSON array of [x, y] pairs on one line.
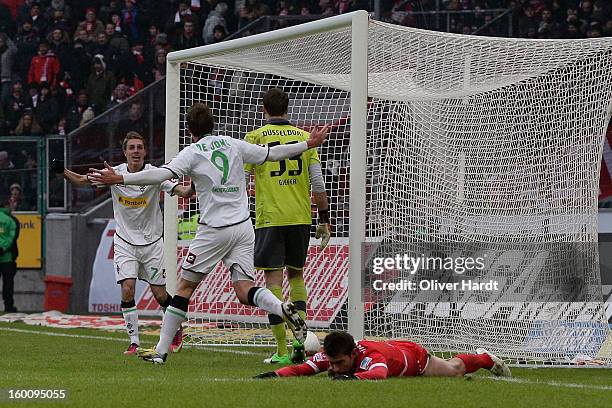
[[78, 180]]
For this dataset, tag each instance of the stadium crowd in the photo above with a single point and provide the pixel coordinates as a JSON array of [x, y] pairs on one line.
[[62, 62]]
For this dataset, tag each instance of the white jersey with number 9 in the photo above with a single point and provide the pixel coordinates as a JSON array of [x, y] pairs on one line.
[[216, 166]]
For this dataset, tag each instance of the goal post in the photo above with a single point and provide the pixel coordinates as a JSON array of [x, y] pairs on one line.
[[441, 146], [357, 24]]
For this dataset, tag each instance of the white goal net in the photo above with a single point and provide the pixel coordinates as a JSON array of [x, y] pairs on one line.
[[474, 147]]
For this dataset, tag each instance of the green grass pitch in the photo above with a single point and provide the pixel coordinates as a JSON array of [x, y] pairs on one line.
[[96, 374]]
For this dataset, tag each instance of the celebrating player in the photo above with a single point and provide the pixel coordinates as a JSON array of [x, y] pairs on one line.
[[215, 164], [283, 215], [138, 240], [345, 359]]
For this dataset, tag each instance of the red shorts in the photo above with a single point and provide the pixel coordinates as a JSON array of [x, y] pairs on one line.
[[416, 355]]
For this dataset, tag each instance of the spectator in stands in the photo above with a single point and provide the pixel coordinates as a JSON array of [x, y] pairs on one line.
[[527, 21], [75, 113], [39, 22], [215, 18], [59, 22], [159, 66], [134, 122], [45, 67], [100, 85], [47, 110], [162, 42], [188, 37], [116, 39], [586, 10], [26, 42], [28, 125], [61, 128], [573, 31], [102, 47], [9, 233], [15, 198], [79, 67], [120, 95], [182, 15], [249, 12], [130, 15], [59, 5], [219, 34], [85, 40], [32, 96], [59, 41], [8, 51], [108, 10], [91, 25], [5, 161], [601, 12], [548, 28], [23, 12], [133, 67], [13, 106]]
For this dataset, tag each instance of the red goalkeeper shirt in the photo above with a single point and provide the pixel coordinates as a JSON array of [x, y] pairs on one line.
[[376, 360]]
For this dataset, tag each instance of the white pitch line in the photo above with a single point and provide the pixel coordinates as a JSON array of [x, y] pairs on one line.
[[83, 336], [549, 383]]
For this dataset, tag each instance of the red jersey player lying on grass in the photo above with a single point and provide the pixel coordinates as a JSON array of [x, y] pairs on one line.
[[345, 359]]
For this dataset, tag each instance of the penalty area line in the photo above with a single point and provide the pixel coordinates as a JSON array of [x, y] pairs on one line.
[[85, 336], [548, 383]]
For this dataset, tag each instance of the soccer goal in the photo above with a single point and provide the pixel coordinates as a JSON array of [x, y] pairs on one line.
[[440, 145]]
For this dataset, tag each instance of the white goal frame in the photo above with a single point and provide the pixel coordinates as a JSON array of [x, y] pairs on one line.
[[358, 21]]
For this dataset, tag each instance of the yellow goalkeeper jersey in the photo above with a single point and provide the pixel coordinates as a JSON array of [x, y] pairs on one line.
[[282, 189]]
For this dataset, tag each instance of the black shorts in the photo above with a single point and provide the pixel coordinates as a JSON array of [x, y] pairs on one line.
[[277, 247]]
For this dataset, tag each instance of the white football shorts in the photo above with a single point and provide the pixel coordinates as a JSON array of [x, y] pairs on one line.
[[140, 262], [234, 245]]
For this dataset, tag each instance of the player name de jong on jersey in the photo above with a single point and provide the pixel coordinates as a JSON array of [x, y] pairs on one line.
[[216, 166], [136, 209]]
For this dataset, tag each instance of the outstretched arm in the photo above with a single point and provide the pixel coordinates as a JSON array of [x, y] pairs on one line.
[[316, 364], [305, 369], [256, 154], [78, 180], [141, 178]]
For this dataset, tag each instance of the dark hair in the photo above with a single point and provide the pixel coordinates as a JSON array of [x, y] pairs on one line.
[[338, 343], [133, 135], [200, 120], [276, 102]]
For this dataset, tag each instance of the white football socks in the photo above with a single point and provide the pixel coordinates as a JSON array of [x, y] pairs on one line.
[[130, 315], [172, 321]]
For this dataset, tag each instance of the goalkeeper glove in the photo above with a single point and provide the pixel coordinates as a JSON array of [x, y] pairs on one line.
[[269, 374], [323, 233], [323, 228], [57, 166], [344, 377]]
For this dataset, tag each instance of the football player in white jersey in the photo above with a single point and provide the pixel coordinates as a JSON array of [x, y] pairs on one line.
[[215, 165], [138, 240]]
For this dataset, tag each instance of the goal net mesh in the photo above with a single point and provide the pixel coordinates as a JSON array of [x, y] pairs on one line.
[[475, 146]]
